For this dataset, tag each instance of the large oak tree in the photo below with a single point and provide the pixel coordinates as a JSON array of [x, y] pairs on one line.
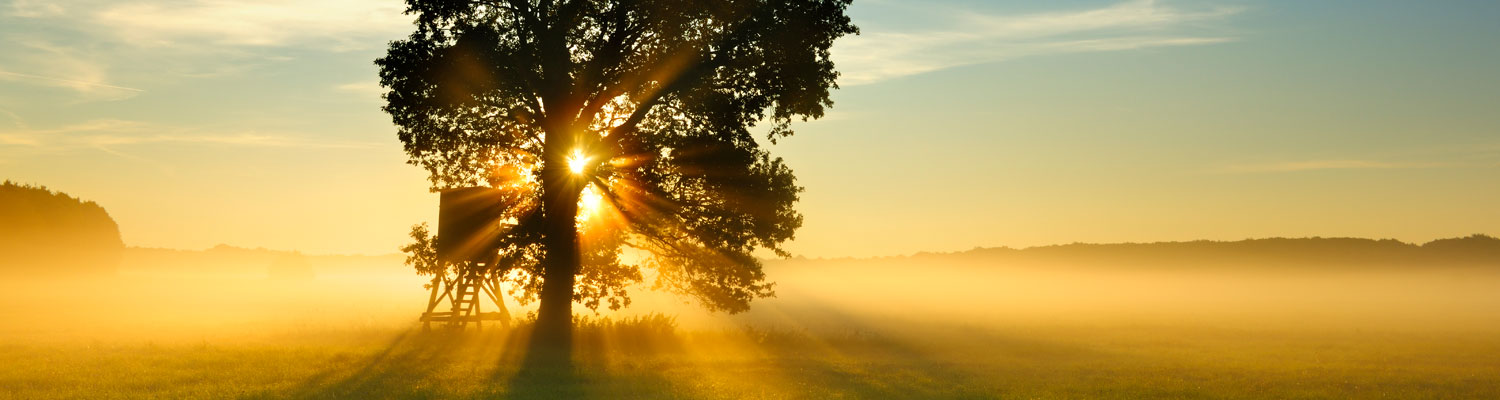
[[647, 108]]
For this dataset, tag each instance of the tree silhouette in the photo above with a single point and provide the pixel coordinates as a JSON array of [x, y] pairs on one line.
[[51, 233], [645, 107]]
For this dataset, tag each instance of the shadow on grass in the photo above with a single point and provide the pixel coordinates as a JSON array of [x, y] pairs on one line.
[[870, 358], [644, 358], [493, 363], [413, 364], [600, 347]]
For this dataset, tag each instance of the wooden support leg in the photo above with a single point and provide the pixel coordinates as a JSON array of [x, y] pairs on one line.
[[432, 301], [492, 287]]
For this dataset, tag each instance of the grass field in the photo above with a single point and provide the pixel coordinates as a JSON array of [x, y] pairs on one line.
[[1031, 362], [1416, 337]]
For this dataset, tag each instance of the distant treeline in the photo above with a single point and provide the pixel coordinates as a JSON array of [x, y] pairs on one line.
[[1475, 250], [49, 233]]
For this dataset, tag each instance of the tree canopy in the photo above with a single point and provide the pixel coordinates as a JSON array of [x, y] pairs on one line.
[[645, 112]]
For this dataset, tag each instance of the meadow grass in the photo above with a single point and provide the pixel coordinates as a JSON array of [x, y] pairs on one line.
[[650, 359]]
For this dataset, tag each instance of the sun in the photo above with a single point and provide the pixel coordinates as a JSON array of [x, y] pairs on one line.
[[591, 200], [577, 162]]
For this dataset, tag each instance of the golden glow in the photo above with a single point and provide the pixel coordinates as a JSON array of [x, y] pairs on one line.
[[589, 202], [577, 162], [519, 173]]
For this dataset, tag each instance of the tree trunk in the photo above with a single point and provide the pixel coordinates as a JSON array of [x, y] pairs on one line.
[[552, 340], [555, 314]]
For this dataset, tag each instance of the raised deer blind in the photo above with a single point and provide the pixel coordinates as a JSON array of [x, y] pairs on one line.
[[468, 224]]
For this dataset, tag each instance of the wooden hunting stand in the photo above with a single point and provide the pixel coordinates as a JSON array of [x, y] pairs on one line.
[[469, 221], [464, 291]]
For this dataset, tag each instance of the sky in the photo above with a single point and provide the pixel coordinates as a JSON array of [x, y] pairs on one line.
[[959, 124]]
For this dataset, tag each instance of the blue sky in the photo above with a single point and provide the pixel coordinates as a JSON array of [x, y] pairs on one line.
[[960, 123]]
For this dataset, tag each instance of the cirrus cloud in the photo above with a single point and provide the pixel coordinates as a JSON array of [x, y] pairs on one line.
[[977, 38], [331, 24]]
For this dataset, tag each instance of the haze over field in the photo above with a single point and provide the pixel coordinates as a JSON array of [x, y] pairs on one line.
[[1042, 323], [1317, 284]]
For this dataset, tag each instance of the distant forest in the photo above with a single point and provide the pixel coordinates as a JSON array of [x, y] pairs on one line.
[[45, 232], [1471, 251]]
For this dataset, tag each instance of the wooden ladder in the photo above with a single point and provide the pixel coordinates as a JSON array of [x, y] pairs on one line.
[[466, 301], [464, 294]]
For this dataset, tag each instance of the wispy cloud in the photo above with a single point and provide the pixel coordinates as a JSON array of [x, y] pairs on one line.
[[235, 139], [1314, 165], [369, 90], [80, 85], [979, 38], [335, 24], [7, 139], [15, 119], [134, 140], [35, 9], [108, 134], [43, 63]]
